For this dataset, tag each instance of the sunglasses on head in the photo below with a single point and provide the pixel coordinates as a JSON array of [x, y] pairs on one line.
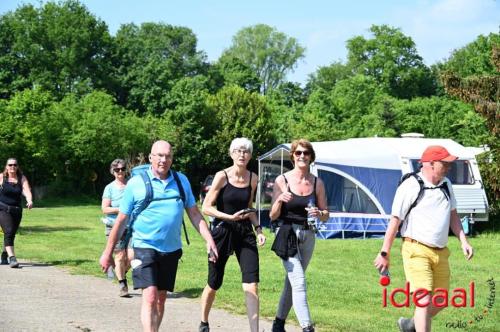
[[119, 169], [299, 153], [12, 165]]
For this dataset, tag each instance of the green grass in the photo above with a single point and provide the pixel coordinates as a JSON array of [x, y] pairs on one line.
[[343, 289]]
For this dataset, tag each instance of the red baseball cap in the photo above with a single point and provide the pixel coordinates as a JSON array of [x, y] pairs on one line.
[[437, 153]]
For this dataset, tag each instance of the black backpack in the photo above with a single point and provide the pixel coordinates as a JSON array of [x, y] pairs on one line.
[[149, 198], [443, 187]]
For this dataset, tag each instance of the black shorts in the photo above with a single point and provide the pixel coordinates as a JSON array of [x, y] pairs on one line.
[[240, 239], [155, 268]]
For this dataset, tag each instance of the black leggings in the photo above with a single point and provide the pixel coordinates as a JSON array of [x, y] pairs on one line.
[[10, 222]]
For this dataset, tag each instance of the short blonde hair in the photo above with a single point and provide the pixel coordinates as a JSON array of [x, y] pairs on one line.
[[241, 142]]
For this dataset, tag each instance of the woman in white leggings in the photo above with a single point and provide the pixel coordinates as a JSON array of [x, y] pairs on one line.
[[297, 194]]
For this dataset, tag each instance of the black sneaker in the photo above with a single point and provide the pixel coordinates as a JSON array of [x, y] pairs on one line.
[[204, 327], [278, 325], [406, 324], [13, 262], [4, 257]]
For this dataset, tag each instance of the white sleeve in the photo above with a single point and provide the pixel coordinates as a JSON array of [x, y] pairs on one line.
[[406, 194]]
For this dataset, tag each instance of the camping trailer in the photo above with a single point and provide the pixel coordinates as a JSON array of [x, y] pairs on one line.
[[361, 176]]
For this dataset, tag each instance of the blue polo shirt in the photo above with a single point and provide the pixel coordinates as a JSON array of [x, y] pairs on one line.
[[159, 225], [115, 194]]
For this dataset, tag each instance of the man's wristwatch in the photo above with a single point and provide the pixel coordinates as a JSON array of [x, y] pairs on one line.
[[383, 253]]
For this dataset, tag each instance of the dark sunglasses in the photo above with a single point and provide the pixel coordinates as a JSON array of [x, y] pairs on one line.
[[12, 165], [299, 153], [121, 169]]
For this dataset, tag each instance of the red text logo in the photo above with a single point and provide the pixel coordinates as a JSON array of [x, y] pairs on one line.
[[440, 297]]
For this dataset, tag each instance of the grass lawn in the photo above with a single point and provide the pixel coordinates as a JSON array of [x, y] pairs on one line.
[[343, 289]]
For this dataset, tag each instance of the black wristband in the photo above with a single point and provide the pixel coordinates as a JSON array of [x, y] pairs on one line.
[[257, 227]]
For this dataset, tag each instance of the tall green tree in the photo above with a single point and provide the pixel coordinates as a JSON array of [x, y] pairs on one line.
[[240, 113], [229, 70], [60, 47], [189, 125], [22, 130], [356, 103], [480, 88], [327, 76], [270, 53], [438, 117], [473, 59], [151, 58], [391, 58]]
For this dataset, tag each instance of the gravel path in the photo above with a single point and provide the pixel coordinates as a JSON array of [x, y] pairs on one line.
[[39, 297]]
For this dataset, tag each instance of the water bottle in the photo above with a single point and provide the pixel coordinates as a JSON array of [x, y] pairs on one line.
[[385, 277], [110, 273], [311, 220]]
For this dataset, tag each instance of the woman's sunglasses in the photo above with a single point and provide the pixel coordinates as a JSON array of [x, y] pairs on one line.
[[119, 169], [299, 153], [12, 165]]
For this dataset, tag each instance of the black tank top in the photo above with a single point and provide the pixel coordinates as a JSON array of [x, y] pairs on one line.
[[294, 211], [10, 193], [232, 199]]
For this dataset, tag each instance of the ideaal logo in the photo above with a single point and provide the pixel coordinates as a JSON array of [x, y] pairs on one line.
[[490, 302], [440, 298]]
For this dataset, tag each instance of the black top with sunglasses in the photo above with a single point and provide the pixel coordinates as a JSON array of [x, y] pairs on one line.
[[10, 193]]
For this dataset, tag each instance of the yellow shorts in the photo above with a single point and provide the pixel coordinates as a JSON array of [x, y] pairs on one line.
[[425, 267]]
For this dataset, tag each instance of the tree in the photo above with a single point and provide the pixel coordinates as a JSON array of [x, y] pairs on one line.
[[61, 48], [327, 76], [229, 70], [391, 58], [437, 117], [150, 59], [481, 89], [474, 58], [21, 132], [190, 125], [356, 103], [316, 121], [270, 53], [240, 113]]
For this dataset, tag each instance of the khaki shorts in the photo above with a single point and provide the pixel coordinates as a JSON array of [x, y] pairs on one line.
[[425, 267]]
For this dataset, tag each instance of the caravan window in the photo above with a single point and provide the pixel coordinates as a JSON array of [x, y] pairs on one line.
[[269, 172], [459, 173], [345, 196]]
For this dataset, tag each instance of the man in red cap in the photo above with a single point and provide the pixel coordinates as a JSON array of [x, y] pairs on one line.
[[426, 206]]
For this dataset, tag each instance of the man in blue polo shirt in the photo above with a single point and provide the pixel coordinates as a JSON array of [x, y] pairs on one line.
[[156, 233]]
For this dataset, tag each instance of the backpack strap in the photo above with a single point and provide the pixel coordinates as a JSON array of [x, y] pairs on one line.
[[148, 198], [444, 188], [183, 198], [420, 190]]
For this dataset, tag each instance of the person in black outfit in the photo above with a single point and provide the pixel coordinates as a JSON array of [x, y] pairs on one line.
[[13, 184], [232, 191]]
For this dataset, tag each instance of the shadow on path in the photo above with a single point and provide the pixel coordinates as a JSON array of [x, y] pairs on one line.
[[49, 229]]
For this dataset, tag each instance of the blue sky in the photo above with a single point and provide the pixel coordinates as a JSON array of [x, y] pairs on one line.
[[321, 26]]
